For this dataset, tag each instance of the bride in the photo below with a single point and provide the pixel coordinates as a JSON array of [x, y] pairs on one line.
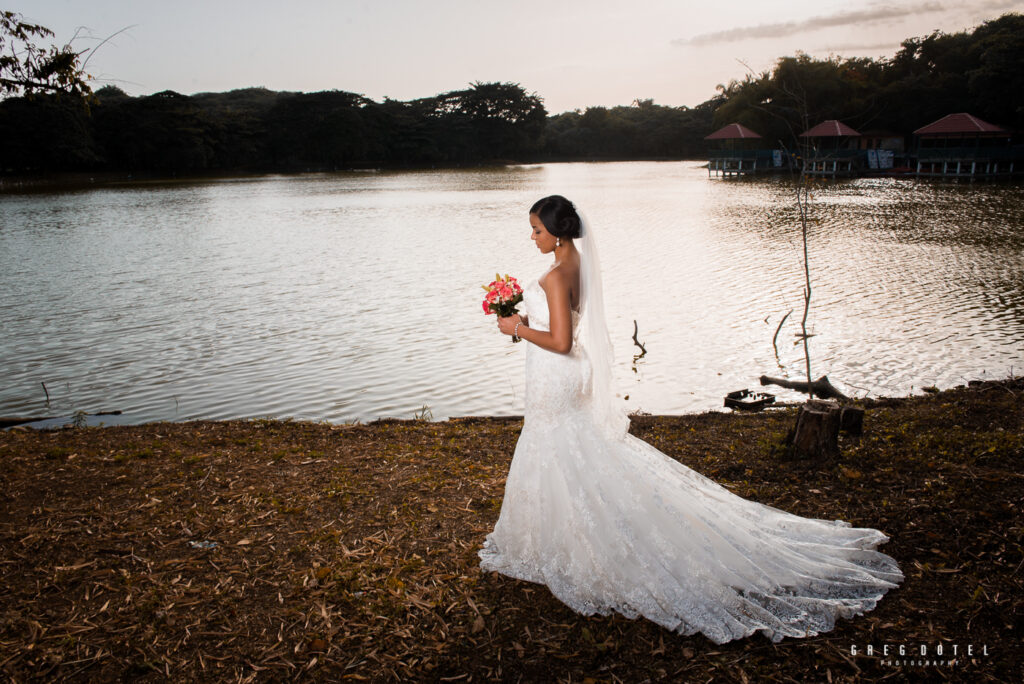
[[609, 523]]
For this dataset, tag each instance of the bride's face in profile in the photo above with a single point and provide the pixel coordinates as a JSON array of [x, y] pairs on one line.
[[544, 240]]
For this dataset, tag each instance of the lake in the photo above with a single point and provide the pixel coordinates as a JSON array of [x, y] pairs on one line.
[[354, 296]]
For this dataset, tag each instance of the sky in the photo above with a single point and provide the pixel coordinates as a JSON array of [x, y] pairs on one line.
[[572, 53]]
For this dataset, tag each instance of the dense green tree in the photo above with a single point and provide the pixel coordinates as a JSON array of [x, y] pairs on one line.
[[162, 133], [996, 82], [487, 121], [505, 121], [317, 130], [644, 130], [237, 122], [976, 71], [46, 134], [404, 133]]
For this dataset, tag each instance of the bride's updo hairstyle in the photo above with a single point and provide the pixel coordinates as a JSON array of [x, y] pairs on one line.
[[558, 216]]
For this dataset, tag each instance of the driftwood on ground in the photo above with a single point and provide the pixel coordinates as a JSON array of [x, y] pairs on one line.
[[822, 387], [13, 421], [643, 349]]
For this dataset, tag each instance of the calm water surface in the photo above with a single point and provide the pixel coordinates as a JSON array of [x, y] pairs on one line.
[[356, 295]]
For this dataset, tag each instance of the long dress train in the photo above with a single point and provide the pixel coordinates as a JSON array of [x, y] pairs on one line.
[[612, 524]]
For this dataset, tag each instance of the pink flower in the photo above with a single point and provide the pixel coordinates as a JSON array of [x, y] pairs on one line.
[[503, 294]]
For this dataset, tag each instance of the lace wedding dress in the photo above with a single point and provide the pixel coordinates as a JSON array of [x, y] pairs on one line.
[[609, 523]]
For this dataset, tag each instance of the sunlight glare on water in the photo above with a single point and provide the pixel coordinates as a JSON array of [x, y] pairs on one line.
[[357, 295]]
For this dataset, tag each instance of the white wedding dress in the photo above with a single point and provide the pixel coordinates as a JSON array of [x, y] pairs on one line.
[[609, 523]]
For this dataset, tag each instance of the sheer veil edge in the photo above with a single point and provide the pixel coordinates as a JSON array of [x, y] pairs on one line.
[[608, 413]]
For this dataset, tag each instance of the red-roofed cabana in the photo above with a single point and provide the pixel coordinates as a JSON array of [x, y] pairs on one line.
[[830, 129], [961, 144], [733, 131], [832, 150], [735, 151], [962, 124]]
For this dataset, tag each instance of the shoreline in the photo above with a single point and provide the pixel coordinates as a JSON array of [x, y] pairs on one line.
[[108, 419], [274, 549], [81, 180]]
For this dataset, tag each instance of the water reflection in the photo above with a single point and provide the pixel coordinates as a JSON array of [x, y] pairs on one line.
[[354, 295]]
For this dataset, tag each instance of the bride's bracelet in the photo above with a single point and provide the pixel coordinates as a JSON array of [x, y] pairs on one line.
[[515, 331]]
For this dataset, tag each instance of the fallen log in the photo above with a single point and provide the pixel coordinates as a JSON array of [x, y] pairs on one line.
[[11, 421], [822, 387]]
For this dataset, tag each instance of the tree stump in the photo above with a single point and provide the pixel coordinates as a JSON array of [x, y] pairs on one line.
[[851, 421], [816, 434], [818, 424]]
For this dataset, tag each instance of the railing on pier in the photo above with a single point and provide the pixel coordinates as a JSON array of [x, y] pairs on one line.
[[835, 163], [969, 162], [742, 162]]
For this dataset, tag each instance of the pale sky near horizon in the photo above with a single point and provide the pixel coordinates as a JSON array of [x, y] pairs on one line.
[[572, 53]]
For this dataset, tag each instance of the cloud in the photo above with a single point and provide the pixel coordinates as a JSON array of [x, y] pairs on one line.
[[891, 45], [998, 4], [788, 28]]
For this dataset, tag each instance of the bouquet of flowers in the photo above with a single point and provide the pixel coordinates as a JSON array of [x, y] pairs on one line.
[[503, 294]]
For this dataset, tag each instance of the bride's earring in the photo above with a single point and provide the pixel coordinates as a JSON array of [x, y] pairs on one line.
[[558, 242]]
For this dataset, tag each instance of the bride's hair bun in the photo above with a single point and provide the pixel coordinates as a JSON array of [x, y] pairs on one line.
[[558, 216]]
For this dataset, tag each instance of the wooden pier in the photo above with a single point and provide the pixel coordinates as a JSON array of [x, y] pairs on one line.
[[740, 164], [739, 153]]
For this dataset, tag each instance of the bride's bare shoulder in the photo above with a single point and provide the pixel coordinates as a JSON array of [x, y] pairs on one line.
[[562, 276]]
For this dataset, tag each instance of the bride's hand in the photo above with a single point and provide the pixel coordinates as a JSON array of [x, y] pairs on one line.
[[508, 325]]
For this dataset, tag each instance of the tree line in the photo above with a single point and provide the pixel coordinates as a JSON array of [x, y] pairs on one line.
[[262, 130], [978, 71], [256, 129]]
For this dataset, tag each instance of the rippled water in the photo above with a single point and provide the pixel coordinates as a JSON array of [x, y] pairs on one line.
[[356, 295]]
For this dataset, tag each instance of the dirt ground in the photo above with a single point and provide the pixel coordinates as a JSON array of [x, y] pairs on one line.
[[275, 550]]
